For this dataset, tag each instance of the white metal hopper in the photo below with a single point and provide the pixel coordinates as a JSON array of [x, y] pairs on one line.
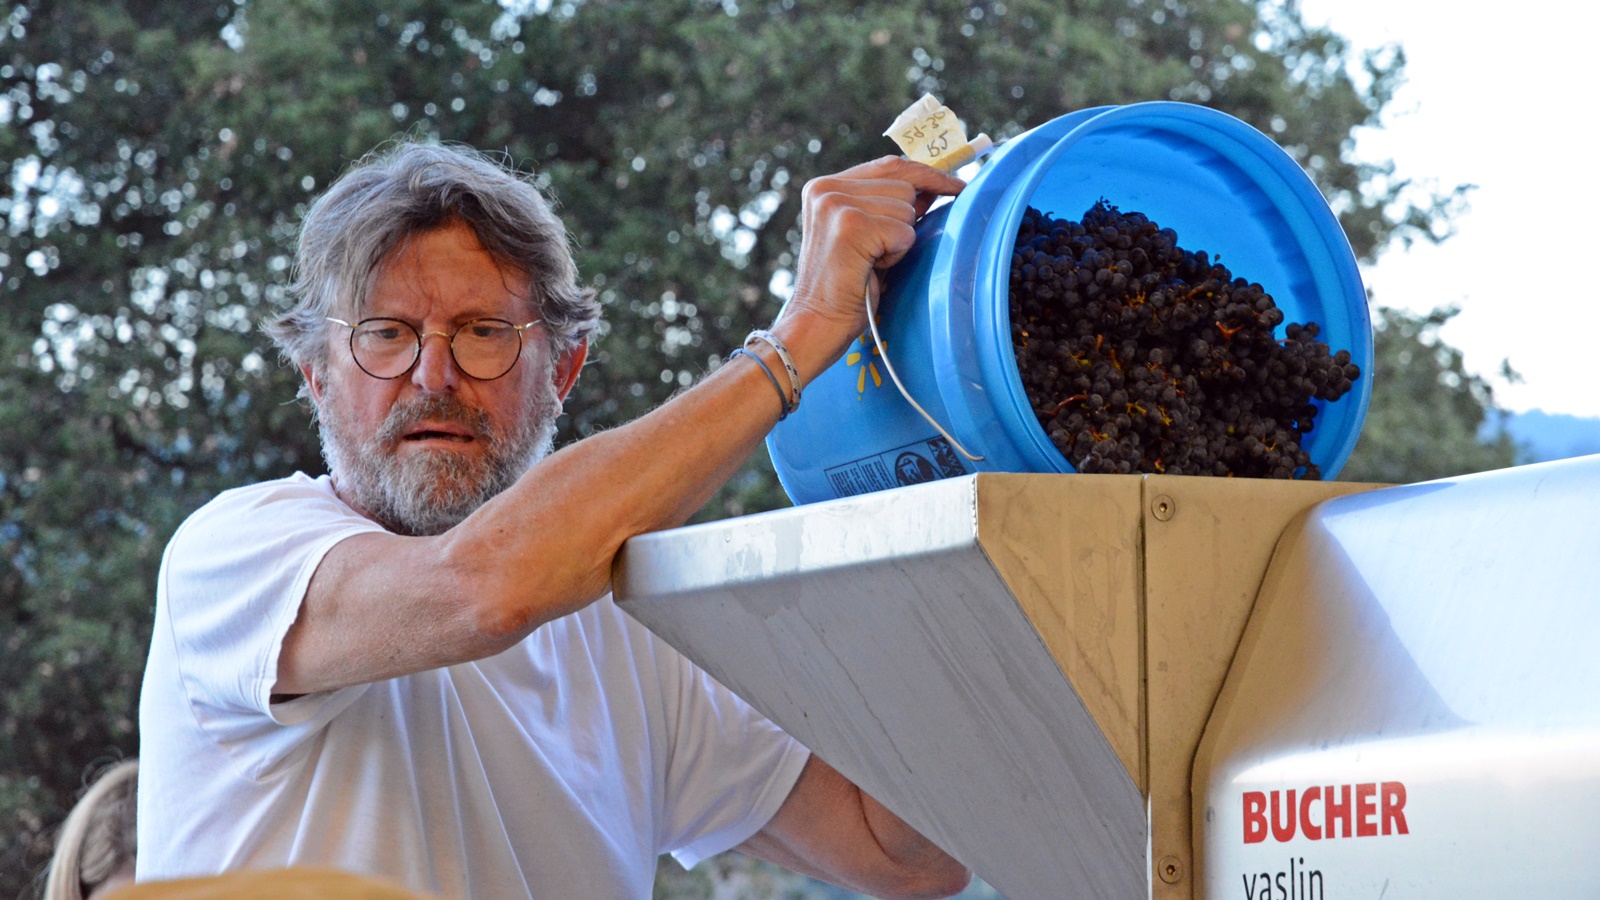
[[1018, 665], [1023, 666]]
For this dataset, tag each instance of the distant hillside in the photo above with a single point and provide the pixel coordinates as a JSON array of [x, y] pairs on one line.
[[1543, 436]]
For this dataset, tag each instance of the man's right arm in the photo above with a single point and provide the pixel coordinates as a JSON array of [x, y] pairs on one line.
[[381, 605]]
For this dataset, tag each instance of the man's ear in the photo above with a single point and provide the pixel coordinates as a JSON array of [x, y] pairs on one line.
[[568, 366], [313, 383]]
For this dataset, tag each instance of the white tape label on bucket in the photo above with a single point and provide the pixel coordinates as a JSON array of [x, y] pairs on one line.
[[929, 132]]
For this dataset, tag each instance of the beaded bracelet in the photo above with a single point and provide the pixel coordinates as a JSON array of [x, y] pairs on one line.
[[788, 365], [783, 399]]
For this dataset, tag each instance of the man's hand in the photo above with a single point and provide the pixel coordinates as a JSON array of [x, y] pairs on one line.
[[854, 225]]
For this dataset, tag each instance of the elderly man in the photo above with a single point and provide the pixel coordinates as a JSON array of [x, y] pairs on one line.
[[411, 668]]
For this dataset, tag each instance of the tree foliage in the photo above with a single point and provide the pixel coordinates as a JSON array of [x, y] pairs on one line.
[[1428, 412], [158, 155]]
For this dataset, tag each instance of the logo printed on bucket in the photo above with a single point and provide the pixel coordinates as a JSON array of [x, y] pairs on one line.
[[867, 365]]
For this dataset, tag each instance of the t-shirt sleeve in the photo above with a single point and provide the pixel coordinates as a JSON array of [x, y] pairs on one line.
[[731, 769], [232, 582]]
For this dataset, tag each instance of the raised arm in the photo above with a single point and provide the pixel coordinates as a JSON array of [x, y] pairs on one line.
[[382, 605]]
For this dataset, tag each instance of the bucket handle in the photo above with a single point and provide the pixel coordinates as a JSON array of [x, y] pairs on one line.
[[872, 324]]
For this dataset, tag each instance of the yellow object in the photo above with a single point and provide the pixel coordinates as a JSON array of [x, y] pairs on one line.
[[928, 132], [298, 883]]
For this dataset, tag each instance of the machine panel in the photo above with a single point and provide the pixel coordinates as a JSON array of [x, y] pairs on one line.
[[1414, 710]]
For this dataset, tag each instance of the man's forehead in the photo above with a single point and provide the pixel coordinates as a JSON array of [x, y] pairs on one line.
[[515, 308], [447, 271]]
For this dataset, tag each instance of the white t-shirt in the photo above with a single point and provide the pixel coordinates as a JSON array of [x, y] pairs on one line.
[[561, 768]]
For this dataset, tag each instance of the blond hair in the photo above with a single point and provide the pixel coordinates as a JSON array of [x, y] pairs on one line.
[[97, 839]]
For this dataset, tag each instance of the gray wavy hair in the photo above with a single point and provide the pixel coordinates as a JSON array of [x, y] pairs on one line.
[[409, 188]]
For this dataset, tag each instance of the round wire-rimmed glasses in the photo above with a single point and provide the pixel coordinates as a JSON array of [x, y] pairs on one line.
[[484, 349]]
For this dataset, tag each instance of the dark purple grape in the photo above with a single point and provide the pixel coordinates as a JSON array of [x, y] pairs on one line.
[[1141, 356]]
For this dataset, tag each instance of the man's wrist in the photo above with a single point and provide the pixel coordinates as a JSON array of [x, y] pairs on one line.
[[784, 407], [814, 338], [791, 398]]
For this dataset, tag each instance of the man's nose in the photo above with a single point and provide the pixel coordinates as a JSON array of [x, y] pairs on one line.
[[436, 370]]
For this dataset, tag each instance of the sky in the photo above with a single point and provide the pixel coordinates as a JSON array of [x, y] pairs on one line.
[[1498, 97]]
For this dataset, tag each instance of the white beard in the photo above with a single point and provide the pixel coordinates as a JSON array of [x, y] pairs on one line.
[[430, 492]]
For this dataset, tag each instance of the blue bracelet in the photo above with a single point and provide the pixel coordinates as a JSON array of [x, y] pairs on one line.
[[783, 399]]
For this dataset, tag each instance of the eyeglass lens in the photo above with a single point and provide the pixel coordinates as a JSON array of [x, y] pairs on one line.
[[483, 348]]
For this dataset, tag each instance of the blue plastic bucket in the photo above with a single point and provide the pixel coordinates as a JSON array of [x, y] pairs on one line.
[[945, 316]]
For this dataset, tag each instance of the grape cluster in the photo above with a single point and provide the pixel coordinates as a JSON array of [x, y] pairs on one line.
[[1140, 356]]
